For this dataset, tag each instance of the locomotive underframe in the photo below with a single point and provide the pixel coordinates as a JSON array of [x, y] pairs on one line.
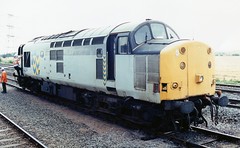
[[164, 116]]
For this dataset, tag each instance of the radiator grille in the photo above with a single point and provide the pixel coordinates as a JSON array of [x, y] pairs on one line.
[[99, 68], [153, 69], [140, 72]]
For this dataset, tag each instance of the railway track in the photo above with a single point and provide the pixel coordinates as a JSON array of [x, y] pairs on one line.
[[218, 137], [228, 88], [12, 135], [13, 82], [233, 103], [202, 138]]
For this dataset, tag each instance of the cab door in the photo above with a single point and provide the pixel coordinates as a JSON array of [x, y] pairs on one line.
[[20, 54], [111, 57], [124, 64], [117, 44]]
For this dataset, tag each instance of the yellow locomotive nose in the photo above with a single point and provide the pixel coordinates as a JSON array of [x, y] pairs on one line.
[[186, 70]]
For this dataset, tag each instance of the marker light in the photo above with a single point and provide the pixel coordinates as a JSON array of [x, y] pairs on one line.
[[209, 64], [182, 50], [182, 65], [209, 50]]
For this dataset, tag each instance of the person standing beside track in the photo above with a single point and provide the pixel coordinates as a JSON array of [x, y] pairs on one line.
[[4, 80]]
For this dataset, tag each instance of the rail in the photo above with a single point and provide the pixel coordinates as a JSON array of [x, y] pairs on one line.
[[209, 138], [21, 130], [222, 136], [233, 103], [228, 88]]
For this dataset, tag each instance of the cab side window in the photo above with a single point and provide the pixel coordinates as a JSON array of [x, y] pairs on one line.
[[27, 59], [123, 46]]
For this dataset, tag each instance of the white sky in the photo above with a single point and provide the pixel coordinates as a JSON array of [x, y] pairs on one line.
[[215, 22]]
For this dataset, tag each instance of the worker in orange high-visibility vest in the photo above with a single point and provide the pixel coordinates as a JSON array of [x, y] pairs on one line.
[[4, 80]]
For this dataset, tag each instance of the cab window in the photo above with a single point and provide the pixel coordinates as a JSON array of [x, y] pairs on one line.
[[171, 34], [143, 34], [123, 46], [158, 31], [27, 59]]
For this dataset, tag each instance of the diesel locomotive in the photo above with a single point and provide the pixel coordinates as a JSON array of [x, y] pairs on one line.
[[142, 72]]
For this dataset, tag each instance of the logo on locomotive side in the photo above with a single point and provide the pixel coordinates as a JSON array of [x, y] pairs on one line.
[[36, 65]]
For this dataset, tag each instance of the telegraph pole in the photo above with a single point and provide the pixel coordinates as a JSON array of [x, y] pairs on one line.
[[10, 34]]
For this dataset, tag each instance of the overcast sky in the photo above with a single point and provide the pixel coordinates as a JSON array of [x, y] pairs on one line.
[[215, 22]]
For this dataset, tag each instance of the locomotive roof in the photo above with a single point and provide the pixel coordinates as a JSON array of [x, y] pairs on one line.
[[104, 31], [94, 32]]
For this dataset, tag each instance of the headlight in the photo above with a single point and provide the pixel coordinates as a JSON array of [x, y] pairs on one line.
[[174, 85]]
